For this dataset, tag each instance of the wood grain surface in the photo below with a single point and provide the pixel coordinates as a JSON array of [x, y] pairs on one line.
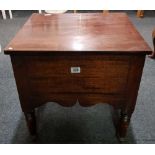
[[112, 32]]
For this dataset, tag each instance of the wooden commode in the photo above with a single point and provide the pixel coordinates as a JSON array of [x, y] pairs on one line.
[[90, 57]]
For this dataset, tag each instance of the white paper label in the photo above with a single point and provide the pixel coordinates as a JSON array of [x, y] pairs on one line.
[[75, 69]]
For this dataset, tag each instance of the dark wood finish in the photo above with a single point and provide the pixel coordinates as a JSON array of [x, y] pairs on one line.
[[153, 38], [108, 50], [112, 32]]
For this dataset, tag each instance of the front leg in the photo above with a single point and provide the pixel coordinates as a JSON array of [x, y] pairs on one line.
[[31, 122], [122, 125]]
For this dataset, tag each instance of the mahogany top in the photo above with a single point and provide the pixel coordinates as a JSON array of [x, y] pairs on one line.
[[112, 32]]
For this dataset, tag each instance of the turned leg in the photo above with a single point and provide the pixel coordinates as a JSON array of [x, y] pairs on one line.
[[31, 122], [122, 126]]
